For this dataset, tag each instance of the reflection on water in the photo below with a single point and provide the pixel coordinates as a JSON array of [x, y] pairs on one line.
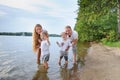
[[17, 60], [65, 74], [69, 73], [41, 73], [82, 51]]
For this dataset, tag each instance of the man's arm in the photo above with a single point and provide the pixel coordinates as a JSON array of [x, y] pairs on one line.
[[74, 41]]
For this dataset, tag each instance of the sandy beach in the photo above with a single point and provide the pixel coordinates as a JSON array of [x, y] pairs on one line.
[[102, 63]]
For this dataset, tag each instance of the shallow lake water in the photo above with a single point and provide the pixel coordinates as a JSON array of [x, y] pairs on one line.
[[18, 61]]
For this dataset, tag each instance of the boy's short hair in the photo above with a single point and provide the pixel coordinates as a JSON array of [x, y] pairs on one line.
[[63, 33]]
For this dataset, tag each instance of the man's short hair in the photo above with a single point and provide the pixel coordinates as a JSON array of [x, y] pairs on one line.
[[68, 26]]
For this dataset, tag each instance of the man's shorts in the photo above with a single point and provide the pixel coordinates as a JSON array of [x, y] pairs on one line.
[[74, 49], [45, 58]]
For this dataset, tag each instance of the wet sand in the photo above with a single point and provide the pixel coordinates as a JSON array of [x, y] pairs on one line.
[[102, 63]]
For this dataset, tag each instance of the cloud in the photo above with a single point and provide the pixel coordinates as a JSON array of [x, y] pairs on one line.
[[2, 13], [28, 5], [29, 23], [51, 14], [20, 4], [60, 13], [43, 7]]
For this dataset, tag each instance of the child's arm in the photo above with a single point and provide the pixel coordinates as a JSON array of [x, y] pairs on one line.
[[48, 41], [69, 45], [67, 48], [58, 44]]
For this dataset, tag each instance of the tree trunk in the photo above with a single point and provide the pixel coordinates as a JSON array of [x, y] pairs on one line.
[[118, 13]]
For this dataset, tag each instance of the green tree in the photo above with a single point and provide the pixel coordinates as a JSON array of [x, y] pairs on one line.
[[118, 11], [96, 20]]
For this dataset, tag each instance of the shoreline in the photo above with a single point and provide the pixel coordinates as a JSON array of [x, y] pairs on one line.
[[101, 63]]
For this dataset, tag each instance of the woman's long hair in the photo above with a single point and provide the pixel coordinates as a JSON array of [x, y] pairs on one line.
[[35, 37]]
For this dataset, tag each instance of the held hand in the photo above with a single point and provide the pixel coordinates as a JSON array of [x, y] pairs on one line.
[[73, 43]]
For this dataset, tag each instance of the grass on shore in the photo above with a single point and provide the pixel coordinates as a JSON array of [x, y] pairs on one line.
[[113, 44]]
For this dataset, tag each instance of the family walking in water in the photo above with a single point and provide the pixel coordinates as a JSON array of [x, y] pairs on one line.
[[41, 44]]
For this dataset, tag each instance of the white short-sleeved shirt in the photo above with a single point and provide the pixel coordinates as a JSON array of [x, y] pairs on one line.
[[65, 44], [44, 47], [73, 36]]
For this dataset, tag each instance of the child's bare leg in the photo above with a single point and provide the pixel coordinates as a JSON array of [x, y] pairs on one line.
[[66, 59], [59, 62], [66, 62], [46, 64]]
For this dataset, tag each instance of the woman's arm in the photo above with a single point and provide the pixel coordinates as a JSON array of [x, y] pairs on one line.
[[39, 40]]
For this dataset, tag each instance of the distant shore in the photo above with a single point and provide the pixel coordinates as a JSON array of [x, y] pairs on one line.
[[23, 34]]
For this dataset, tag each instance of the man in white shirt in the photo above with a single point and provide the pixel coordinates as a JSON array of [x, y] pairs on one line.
[[73, 36]]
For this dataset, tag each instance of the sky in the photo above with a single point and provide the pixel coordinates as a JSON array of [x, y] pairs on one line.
[[23, 15]]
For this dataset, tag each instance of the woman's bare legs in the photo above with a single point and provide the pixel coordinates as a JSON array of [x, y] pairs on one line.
[[38, 56]]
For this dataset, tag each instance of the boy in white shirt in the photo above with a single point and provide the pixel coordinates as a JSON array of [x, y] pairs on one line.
[[64, 46], [45, 48]]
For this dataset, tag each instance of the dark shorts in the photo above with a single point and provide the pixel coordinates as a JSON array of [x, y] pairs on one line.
[[45, 58], [64, 54]]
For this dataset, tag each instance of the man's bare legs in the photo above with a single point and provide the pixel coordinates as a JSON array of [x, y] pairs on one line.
[[74, 57]]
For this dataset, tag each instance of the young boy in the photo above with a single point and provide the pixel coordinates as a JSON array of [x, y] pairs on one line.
[[45, 48], [64, 47]]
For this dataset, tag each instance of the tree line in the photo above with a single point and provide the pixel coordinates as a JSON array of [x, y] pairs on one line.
[[24, 34]]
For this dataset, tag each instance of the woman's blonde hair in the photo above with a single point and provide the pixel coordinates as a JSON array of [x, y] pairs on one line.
[[35, 37]]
